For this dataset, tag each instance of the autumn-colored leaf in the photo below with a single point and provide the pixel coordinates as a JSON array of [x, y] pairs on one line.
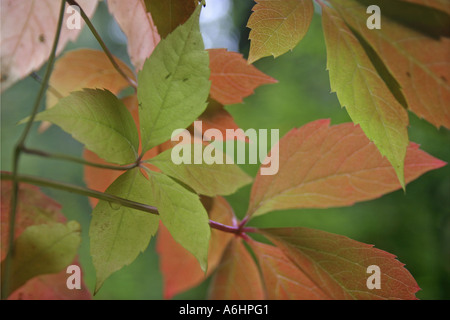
[[216, 117], [422, 74], [35, 208], [173, 84], [168, 15], [138, 26], [28, 29], [181, 271], [50, 287], [42, 249], [88, 69], [363, 92], [99, 120], [118, 233], [322, 166], [278, 26], [237, 277], [339, 265], [282, 278], [232, 78]]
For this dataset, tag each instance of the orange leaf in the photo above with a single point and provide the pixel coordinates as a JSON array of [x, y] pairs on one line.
[[44, 287], [237, 277], [322, 166], [181, 270], [28, 29], [278, 26], [216, 117], [282, 278], [138, 26], [232, 78], [423, 74], [339, 266]]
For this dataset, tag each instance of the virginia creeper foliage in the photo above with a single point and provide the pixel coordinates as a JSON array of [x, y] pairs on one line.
[[138, 193]]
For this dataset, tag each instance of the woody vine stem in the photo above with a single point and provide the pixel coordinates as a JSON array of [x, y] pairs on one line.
[[16, 178]]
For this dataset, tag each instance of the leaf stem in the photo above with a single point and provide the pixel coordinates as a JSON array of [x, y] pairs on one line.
[[43, 182], [102, 44], [78, 160], [17, 152], [237, 230]]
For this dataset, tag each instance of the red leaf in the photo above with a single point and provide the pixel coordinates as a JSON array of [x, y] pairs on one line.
[[322, 166], [50, 286], [232, 78], [181, 270], [237, 276], [282, 278], [339, 265]]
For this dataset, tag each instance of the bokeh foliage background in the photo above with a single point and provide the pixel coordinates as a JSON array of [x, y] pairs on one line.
[[414, 225]]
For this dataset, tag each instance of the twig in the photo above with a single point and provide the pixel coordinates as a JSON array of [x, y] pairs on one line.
[[102, 44], [43, 182], [78, 160]]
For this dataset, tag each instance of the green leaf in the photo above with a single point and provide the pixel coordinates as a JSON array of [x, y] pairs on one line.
[[117, 233], [43, 249], [173, 84], [363, 92], [413, 43], [208, 179], [278, 26], [182, 214], [100, 121]]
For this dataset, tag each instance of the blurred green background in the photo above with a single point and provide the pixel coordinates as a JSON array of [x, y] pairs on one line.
[[415, 226]]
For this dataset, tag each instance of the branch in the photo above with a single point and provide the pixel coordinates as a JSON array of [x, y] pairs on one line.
[[42, 182], [18, 149], [102, 44], [78, 160]]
